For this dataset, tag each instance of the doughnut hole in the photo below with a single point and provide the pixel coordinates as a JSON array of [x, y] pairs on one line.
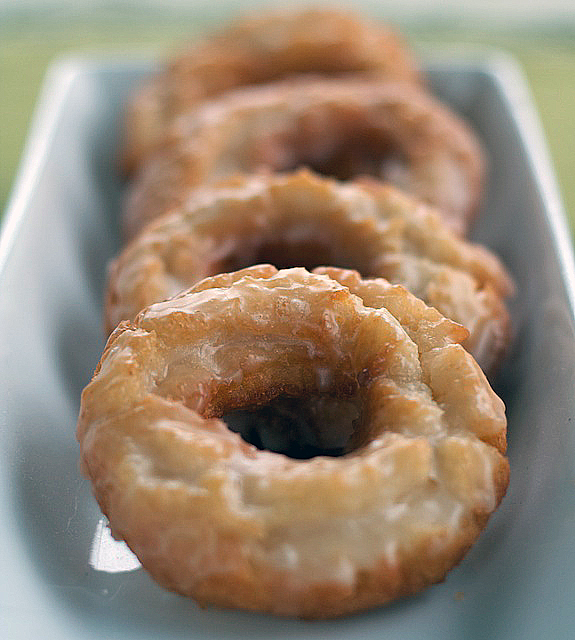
[[360, 155], [313, 248], [338, 146], [307, 252], [299, 427]]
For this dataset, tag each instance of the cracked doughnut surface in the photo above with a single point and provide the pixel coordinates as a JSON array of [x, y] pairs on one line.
[[301, 219], [337, 127], [211, 516], [258, 48]]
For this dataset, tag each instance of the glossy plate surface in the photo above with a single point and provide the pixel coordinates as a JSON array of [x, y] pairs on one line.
[[64, 578]]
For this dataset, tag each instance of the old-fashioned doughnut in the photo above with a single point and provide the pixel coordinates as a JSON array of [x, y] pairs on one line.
[[257, 48], [302, 219], [211, 516], [341, 128]]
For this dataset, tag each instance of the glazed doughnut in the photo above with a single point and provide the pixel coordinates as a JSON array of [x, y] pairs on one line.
[[213, 517], [255, 49], [302, 219], [341, 128]]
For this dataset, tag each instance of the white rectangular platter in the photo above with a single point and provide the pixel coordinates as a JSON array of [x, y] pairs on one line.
[[62, 578]]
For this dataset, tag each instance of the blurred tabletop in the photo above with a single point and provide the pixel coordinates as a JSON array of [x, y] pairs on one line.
[[540, 36]]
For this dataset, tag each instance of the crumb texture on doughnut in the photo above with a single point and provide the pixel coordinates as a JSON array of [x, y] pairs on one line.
[[338, 127], [302, 219], [255, 49], [211, 516]]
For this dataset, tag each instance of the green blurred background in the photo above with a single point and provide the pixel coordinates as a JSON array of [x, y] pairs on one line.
[[31, 39]]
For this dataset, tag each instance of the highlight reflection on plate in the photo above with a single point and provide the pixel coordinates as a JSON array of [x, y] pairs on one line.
[[108, 554]]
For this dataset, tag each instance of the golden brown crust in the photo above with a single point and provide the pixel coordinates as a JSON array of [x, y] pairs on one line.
[[338, 127], [212, 517], [302, 219], [258, 48]]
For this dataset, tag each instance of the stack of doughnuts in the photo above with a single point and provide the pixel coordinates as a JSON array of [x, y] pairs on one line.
[[292, 414]]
